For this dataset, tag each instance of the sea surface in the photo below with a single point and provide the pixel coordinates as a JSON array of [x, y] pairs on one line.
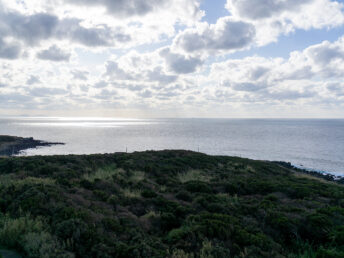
[[310, 144]]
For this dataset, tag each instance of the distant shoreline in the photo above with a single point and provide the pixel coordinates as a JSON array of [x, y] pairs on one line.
[[320, 174], [13, 145]]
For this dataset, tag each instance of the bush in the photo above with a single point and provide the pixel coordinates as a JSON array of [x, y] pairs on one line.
[[169, 221], [197, 187], [12, 230], [112, 224], [148, 194], [184, 195]]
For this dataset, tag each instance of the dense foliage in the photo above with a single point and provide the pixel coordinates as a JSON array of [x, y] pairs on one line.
[[166, 204]]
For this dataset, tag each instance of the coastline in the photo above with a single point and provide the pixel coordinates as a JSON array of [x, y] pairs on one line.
[[315, 173], [13, 145]]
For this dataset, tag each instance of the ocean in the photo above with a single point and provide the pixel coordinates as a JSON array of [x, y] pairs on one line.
[[316, 144]]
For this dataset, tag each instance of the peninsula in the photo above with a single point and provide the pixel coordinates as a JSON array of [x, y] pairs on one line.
[[13, 145]]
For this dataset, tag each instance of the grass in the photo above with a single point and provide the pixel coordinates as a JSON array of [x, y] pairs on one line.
[[137, 176], [7, 180], [102, 173], [128, 193], [151, 214], [193, 175]]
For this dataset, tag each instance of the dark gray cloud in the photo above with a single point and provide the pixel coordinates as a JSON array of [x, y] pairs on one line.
[[260, 9], [180, 64], [55, 54], [32, 29], [125, 8], [92, 37], [226, 34], [9, 50], [33, 80]]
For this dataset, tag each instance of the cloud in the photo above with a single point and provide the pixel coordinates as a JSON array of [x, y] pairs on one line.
[[9, 50], [55, 54], [304, 76], [33, 80], [125, 8], [101, 35], [32, 29], [149, 67], [226, 35], [180, 64], [182, 10], [326, 52], [244, 86], [46, 92], [115, 72], [101, 84], [80, 75], [158, 75], [336, 88], [272, 18], [261, 9]]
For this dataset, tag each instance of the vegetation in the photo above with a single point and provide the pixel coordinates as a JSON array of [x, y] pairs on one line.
[[166, 204]]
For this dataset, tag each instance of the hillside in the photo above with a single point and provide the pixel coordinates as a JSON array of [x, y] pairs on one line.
[[166, 204]]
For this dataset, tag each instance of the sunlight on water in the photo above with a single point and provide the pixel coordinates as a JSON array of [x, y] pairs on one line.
[[82, 123]]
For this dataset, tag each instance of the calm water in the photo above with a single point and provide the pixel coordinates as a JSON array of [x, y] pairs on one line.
[[314, 144]]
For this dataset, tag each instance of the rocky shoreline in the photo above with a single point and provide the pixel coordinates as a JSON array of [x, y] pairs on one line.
[[12, 145], [322, 175]]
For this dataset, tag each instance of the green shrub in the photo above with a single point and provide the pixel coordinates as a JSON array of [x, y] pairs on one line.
[[329, 253], [12, 230], [184, 195], [112, 224], [148, 193], [178, 234], [43, 245], [198, 187]]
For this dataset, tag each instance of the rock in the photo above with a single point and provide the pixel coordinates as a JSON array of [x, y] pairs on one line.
[[12, 145]]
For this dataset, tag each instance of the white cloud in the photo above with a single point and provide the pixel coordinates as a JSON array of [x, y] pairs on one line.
[[99, 54], [275, 17], [303, 77]]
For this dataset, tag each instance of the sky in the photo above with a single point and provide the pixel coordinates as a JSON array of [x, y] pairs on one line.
[[172, 58]]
